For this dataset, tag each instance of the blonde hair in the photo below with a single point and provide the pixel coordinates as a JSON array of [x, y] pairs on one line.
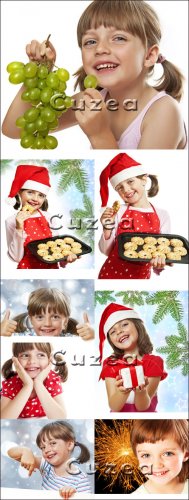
[[62, 430], [151, 431], [20, 347], [138, 18], [47, 298]]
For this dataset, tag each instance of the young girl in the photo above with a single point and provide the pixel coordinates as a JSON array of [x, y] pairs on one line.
[[137, 214], [132, 347], [161, 447], [119, 43], [32, 222], [48, 313], [57, 441], [34, 389]]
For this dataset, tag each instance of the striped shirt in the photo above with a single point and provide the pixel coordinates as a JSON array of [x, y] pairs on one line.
[[50, 481]]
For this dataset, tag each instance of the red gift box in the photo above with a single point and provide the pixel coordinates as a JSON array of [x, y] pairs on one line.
[[132, 376]]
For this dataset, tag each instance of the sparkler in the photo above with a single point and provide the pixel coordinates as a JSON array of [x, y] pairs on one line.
[[114, 457]]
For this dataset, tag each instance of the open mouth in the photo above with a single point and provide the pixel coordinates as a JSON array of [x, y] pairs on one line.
[[106, 66], [48, 331], [49, 457], [123, 339], [160, 474], [32, 370]]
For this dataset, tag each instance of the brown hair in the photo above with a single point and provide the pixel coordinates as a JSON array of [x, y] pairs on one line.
[[19, 347], [53, 299], [154, 188], [144, 343], [17, 205], [138, 18], [151, 431], [62, 430]]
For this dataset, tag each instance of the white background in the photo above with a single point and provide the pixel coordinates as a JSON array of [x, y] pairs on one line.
[[24, 21]]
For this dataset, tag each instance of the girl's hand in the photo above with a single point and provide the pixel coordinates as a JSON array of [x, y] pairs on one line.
[[37, 51], [71, 258], [119, 385], [26, 379], [8, 326], [67, 492], [85, 330], [42, 375], [158, 263], [20, 218], [107, 214], [142, 388], [28, 461]]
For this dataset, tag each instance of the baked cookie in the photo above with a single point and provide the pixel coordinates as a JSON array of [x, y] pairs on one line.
[[150, 239], [51, 244], [130, 245], [48, 258], [28, 208], [116, 206], [174, 256], [175, 242], [76, 250], [144, 254], [130, 252], [138, 240], [159, 253], [68, 240], [180, 250], [42, 252], [163, 241], [65, 252], [163, 248], [42, 246], [149, 247]]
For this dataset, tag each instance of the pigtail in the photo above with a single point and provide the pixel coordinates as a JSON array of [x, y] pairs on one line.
[[7, 370], [84, 455], [21, 323], [71, 326], [171, 81], [154, 188], [61, 368]]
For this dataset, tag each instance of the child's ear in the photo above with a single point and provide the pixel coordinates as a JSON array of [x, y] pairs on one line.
[[186, 456], [70, 445], [151, 56]]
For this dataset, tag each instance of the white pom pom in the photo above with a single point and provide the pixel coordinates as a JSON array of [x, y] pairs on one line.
[[11, 201]]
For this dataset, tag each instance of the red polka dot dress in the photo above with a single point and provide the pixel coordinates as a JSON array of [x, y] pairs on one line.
[[36, 228], [132, 221], [12, 386]]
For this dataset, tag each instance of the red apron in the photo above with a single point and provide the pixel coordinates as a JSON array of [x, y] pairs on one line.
[[36, 228], [132, 221]]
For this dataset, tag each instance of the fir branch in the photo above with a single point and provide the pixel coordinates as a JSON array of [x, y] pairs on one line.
[[133, 298], [176, 350], [71, 173], [104, 297], [167, 303]]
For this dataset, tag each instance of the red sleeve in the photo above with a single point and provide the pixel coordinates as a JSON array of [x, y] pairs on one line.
[[53, 384], [109, 369], [153, 366], [11, 387]]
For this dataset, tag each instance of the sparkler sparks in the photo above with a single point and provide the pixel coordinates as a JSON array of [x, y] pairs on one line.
[[114, 457]]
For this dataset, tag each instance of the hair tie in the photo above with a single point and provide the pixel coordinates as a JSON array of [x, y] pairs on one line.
[[161, 59], [76, 443]]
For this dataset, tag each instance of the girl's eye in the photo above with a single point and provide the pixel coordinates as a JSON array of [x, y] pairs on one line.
[[168, 453], [89, 42], [120, 38], [38, 317], [24, 355], [145, 455], [41, 354], [56, 316]]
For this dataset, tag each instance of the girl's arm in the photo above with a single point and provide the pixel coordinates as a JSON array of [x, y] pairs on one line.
[[11, 408], [85, 330], [163, 126], [8, 326], [53, 406], [15, 239], [116, 397], [26, 458], [144, 395]]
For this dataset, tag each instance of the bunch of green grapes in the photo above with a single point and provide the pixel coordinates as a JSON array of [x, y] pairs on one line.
[[45, 91]]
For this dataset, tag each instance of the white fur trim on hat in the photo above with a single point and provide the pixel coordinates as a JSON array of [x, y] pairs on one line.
[[119, 316], [127, 173], [36, 186], [11, 201]]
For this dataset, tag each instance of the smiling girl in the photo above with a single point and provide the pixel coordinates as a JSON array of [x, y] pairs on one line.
[[32, 222], [161, 447], [34, 389], [120, 46]]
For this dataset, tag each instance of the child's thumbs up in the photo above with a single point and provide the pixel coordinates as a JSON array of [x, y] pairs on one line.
[[85, 330], [8, 326]]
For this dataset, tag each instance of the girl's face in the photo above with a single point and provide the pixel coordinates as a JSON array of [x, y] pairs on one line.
[[33, 198], [114, 56], [33, 361], [132, 190], [124, 335], [162, 461], [56, 451], [49, 323]]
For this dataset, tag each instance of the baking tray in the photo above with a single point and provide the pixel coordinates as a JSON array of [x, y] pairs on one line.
[[34, 244], [126, 237]]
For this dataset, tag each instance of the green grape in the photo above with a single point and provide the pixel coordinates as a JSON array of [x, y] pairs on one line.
[[46, 94], [35, 94], [51, 142], [31, 114], [90, 82], [42, 84], [52, 81], [48, 115], [30, 69], [13, 66], [25, 96], [39, 143], [31, 83], [20, 122], [42, 72], [17, 76], [41, 124], [68, 101], [54, 124], [63, 74], [23, 133], [27, 141], [30, 127], [62, 86], [57, 102]]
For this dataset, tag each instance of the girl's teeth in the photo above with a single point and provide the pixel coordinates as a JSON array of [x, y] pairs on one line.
[[108, 65]]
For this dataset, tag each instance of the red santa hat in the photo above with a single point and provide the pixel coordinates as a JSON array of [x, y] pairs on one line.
[[120, 168], [29, 177], [111, 315]]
